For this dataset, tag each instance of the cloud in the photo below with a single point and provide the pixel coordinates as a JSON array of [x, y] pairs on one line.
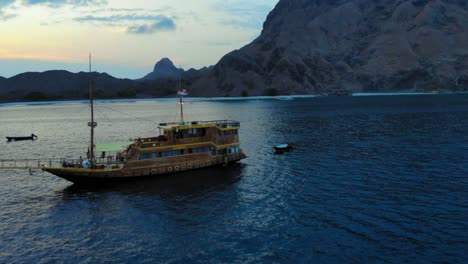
[[5, 17], [36, 56], [5, 4], [59, 3], [115, 18], [15, 4], [162, 23], [154, 23]]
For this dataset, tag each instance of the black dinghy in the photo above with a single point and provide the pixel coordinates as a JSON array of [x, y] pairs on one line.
[[32, 137]]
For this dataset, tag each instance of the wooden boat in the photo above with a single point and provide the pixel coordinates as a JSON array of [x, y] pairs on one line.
[[32, 137], [180, 146], [280, 149]]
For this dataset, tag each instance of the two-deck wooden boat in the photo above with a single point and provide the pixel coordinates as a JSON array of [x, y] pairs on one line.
[[180, 146]]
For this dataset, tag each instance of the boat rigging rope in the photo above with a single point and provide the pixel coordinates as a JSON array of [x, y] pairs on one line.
[[129, 115], [103, 115]]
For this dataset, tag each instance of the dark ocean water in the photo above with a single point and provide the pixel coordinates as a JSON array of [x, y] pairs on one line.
[[373, 179]]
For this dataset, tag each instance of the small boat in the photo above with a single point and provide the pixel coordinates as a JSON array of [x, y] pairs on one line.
[[280, 149], [32, 137]]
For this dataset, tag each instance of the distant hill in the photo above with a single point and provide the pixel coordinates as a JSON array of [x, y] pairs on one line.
[[59, 84], [342, 46], [165, 69]]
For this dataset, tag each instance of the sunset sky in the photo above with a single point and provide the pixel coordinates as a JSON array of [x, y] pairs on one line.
[[125, 37]]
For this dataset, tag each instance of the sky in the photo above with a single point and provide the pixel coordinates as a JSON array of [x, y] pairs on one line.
[[125, 37]]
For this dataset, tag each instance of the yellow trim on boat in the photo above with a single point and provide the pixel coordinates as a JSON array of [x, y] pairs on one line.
[[169, 127], [184, 146]]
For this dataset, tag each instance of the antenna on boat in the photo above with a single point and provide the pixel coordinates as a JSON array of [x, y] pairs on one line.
[[91, 124]]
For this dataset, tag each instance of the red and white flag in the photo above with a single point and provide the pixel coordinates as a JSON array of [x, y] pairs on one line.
[[182, 92]]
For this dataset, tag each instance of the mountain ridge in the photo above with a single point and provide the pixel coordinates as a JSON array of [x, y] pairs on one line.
[[332, 47], [164, 69], [344, 46]]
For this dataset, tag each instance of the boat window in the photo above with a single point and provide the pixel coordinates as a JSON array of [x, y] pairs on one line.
[[237, 149], [190, 151], [154, 155], [145, 156], [182, 152], [222, 151], [169, 153], [176, 152], [201, 149], [195, 150], [163, 154]]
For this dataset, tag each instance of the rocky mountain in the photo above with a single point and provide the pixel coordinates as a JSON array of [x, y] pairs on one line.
[[164, 69], [341, 46], [192, 73]]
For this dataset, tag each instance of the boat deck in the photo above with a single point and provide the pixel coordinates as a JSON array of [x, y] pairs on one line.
[[221, 124], [38, 164]]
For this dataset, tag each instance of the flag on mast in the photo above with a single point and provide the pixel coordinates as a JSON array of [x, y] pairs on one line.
[[182, 92]]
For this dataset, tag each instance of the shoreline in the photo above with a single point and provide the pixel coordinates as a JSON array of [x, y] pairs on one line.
[[247, 98]]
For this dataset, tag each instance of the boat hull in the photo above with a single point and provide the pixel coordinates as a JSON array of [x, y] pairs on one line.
[[281, 150], [107, 176], [20, 138]]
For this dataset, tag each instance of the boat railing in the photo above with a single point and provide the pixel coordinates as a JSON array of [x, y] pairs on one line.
[[179, 141], [30, 163], [222, 123], [13, 164], [219, 123]]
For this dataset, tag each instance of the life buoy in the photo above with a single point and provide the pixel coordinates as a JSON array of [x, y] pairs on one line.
[[154, 171], [189, 166], [176, 168], [169, 169]]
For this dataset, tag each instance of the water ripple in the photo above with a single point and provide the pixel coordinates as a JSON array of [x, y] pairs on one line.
[[371, 180]]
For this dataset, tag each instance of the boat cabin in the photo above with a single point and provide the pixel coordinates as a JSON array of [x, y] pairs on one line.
[[214, 138]]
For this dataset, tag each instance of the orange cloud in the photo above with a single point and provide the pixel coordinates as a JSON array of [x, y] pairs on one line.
[[35, 56]]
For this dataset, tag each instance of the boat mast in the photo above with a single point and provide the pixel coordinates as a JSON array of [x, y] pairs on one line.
[[92, 124], [181, 101]]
